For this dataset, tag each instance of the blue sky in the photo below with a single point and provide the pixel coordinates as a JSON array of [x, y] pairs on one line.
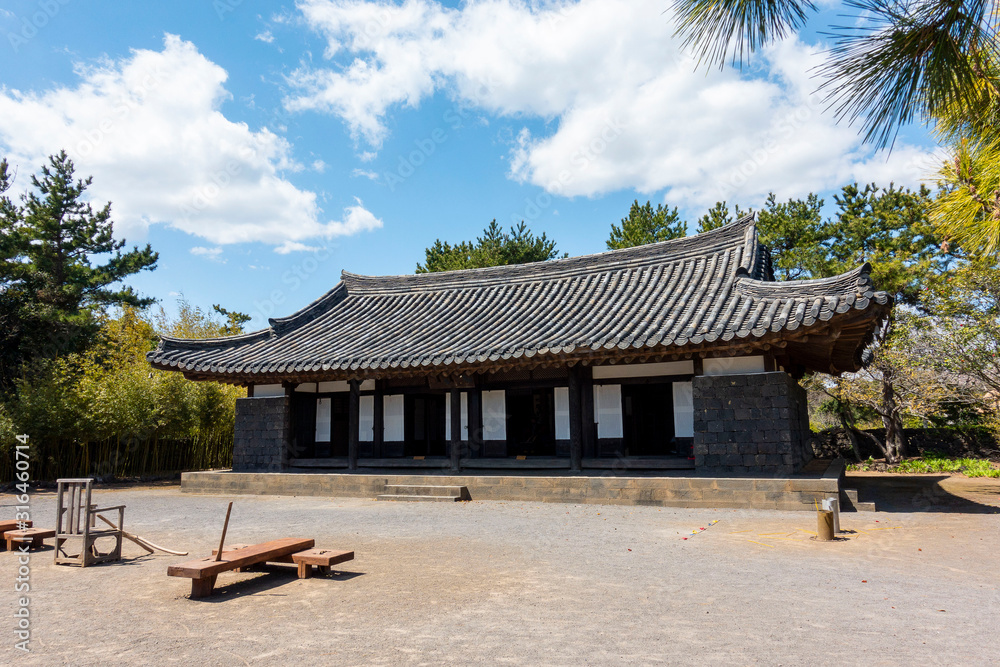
[[263, 147]]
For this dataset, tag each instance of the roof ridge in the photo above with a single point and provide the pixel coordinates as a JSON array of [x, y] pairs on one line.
[[173, 342], [740, 232], [750, 286]]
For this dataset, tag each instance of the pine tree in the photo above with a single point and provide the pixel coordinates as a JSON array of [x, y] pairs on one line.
[[719, 216], [494, 248], [793, 232], [645, 225], [51, 286]]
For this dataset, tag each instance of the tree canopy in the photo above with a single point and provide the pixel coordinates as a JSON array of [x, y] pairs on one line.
[[646, 225], [494, 248], [892, 63], [59, 266]]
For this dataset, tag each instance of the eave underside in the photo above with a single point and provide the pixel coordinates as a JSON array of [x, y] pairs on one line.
[[833, 347]]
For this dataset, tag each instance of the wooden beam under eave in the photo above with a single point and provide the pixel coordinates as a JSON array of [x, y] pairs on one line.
[[855, 327]]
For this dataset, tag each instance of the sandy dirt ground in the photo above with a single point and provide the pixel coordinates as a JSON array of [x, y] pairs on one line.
[[530, 584]]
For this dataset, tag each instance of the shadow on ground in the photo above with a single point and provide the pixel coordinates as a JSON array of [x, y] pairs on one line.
[[929, 493], [266, 579]]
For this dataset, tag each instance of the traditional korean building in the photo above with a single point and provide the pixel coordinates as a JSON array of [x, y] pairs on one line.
[[678, 354]]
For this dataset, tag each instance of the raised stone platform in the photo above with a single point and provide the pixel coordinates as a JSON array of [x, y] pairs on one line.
[[678, 489]]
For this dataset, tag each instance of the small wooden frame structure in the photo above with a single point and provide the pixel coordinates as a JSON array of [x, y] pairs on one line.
[[34, 536], [75, 524], [204, 571], [321, 558]]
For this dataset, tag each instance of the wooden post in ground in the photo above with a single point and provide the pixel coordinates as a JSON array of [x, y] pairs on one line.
[[575, 421], [353, 420], [455, 395], [225, 527]]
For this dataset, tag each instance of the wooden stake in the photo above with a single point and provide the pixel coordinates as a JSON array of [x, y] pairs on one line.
[[141, 541], [225, 527]]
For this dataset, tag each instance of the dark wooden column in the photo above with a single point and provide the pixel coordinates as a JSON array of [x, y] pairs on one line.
[[456, 428], [589, 435], [575, 420], [378, 421], [475, 423], [353, 419]]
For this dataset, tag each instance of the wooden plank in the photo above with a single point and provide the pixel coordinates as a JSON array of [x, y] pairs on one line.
[[325, 557], [71, 513], [59, 506], [321, 558], [258, 553], [13, 524], [33, 535]]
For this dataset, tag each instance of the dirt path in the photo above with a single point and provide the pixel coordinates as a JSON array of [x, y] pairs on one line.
[[525, 583]]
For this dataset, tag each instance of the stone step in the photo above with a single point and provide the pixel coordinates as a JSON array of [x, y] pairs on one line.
[[425, 490], [412, 498], [849, 502]]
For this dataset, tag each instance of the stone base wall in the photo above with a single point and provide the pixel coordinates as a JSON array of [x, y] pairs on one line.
[[263, 434], [755, 423], [800, 493]]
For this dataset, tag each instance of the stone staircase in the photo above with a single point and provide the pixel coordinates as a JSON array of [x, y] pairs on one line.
[[424, 493], [849, 502]]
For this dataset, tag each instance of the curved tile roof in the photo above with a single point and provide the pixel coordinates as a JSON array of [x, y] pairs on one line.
[[715, 288]]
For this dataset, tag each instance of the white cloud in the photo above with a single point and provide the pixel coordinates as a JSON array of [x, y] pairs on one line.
[[625, 107], [294, 246], [149, 129], [212, 254], [265, 37], [370, 175]]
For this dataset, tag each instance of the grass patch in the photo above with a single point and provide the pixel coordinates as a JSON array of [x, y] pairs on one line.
[[932, 462]]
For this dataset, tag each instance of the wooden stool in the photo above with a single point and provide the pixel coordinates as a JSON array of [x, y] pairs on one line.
[[321, 558], [34, 535]]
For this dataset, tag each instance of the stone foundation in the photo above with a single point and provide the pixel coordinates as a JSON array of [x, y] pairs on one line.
[[756, 423], [798, 493], [263, 434]]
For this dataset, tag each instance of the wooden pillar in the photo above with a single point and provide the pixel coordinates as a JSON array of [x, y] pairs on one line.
[[378, 421], [475, 422], [353, 419], [575, 421], [456, 428], [589, 434]]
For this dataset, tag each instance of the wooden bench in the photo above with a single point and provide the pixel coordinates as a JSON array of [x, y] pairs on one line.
[[321, 558], [36, 536], [12, 524], [250, 568], [203, 571]]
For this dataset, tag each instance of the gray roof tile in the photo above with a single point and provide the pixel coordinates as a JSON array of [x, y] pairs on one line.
[[702, 289]]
